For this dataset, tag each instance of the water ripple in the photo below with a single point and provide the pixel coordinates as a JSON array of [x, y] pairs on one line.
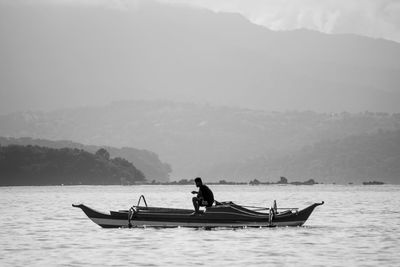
[[357, 226]]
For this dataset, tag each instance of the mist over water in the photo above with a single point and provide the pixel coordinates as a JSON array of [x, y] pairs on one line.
[[357, 226]]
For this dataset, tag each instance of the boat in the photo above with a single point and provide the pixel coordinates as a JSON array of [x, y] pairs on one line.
[[222, 214]]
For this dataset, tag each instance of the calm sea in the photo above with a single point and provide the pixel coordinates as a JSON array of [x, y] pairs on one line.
[[357, 226]]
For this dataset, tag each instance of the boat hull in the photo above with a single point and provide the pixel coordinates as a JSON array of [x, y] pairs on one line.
[[230, 215]]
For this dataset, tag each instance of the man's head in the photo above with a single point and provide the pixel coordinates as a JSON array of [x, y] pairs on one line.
[[198, 181]]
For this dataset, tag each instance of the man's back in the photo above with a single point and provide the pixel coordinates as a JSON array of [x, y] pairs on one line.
[[206, 194]]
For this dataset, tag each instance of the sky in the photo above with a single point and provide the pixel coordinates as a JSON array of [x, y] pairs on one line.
[[372, 18]]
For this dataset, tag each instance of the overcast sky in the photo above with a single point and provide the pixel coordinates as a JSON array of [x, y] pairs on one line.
[[373, 18]]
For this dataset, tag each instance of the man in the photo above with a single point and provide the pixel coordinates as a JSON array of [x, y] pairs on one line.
[[204, 198]]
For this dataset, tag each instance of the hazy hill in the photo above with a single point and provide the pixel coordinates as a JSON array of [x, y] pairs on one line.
[[358, 158], [55, 55], [35, 165], [146, 161], [195, 139]]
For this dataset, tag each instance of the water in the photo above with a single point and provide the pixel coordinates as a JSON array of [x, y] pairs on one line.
[[357, 226]]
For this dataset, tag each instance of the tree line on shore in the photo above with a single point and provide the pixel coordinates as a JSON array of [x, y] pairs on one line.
[[283, 180], [36, 165], [146, 161]]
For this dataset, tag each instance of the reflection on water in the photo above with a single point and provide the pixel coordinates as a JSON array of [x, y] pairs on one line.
[[357, 226]]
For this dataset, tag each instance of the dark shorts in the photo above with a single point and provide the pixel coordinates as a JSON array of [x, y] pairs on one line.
[[205, 203]]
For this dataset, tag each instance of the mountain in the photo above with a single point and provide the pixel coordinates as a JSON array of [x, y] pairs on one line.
[[197, 139], [56, 55], [146, 161], [35, 165], [356, 159]]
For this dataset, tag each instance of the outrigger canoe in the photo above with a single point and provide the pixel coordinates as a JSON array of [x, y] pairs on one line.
[[222, 214]]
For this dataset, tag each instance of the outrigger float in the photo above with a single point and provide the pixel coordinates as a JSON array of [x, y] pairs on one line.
[[222, 214]]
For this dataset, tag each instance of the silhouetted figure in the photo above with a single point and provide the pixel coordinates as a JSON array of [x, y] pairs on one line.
[[204, 198]]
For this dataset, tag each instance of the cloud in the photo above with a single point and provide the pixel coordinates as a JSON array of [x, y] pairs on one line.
[[374, 18]]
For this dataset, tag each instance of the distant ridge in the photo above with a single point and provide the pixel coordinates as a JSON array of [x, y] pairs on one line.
[[223, 142], [359, 158], [83, 56]]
